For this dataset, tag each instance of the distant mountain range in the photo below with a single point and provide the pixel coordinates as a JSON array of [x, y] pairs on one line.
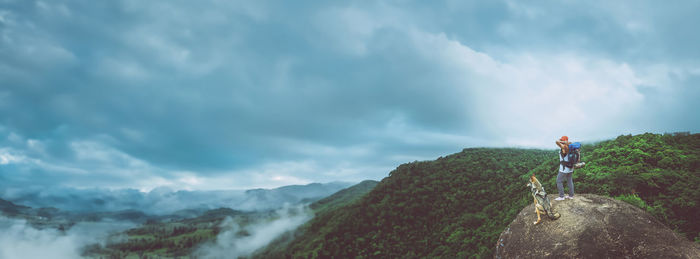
[[161, 201], [182, 237], [185, 204]]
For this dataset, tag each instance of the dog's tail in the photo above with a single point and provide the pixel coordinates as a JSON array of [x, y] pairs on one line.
[[548, 208], [554, 215]]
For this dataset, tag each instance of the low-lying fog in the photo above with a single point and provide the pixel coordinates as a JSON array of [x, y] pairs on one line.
[[18, 239], [22, 238]]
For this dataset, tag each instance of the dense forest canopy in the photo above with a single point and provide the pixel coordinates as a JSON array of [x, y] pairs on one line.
[[456, 206]]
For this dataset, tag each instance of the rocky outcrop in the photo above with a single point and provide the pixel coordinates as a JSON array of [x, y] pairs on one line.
[[592, 226]]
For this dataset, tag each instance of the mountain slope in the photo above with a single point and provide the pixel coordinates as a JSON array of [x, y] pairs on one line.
[[456, 206], [343, 197], [10, 209], [279, 247], [426, 209]]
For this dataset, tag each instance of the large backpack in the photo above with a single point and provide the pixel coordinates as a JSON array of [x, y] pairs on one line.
[[573, 156]]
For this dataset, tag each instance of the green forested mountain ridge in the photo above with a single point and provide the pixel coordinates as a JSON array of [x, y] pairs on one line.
[[343, 197], [322, 209], [426, 209], [456, 206]]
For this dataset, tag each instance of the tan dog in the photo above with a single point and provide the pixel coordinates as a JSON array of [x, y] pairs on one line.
[[542, 203]]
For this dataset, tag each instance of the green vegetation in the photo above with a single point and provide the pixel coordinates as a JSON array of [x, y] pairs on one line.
[[179, 239], [170, 239], [278, 247], [663, 171], [427, 209], [634, 200], [343, 197], [456, 206]]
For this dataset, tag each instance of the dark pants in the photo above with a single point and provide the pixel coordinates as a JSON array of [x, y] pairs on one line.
[[561, 177]]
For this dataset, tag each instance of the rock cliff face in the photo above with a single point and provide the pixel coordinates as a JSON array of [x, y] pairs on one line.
[[592, 226]]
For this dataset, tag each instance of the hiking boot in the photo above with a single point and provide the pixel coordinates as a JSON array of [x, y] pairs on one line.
[[559, 199]]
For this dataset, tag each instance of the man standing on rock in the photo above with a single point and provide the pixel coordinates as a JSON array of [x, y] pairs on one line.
[[565, 173]]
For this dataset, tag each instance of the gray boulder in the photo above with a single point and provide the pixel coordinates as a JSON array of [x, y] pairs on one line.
[[592, 226]]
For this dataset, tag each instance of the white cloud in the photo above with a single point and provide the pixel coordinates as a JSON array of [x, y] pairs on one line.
[[532, 98], [100, 153], [21, 158], [229, 244], [268, 175], [8, 156], [20, 240], [267, 96]]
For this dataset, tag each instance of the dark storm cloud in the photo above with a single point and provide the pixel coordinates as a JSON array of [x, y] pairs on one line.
[[215, 94]]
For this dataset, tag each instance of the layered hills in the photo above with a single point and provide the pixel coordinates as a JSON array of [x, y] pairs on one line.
[[456, 206], [223, 232], [179, 233]]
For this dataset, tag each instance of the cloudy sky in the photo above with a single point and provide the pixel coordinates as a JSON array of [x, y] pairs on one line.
[[242, 94]]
